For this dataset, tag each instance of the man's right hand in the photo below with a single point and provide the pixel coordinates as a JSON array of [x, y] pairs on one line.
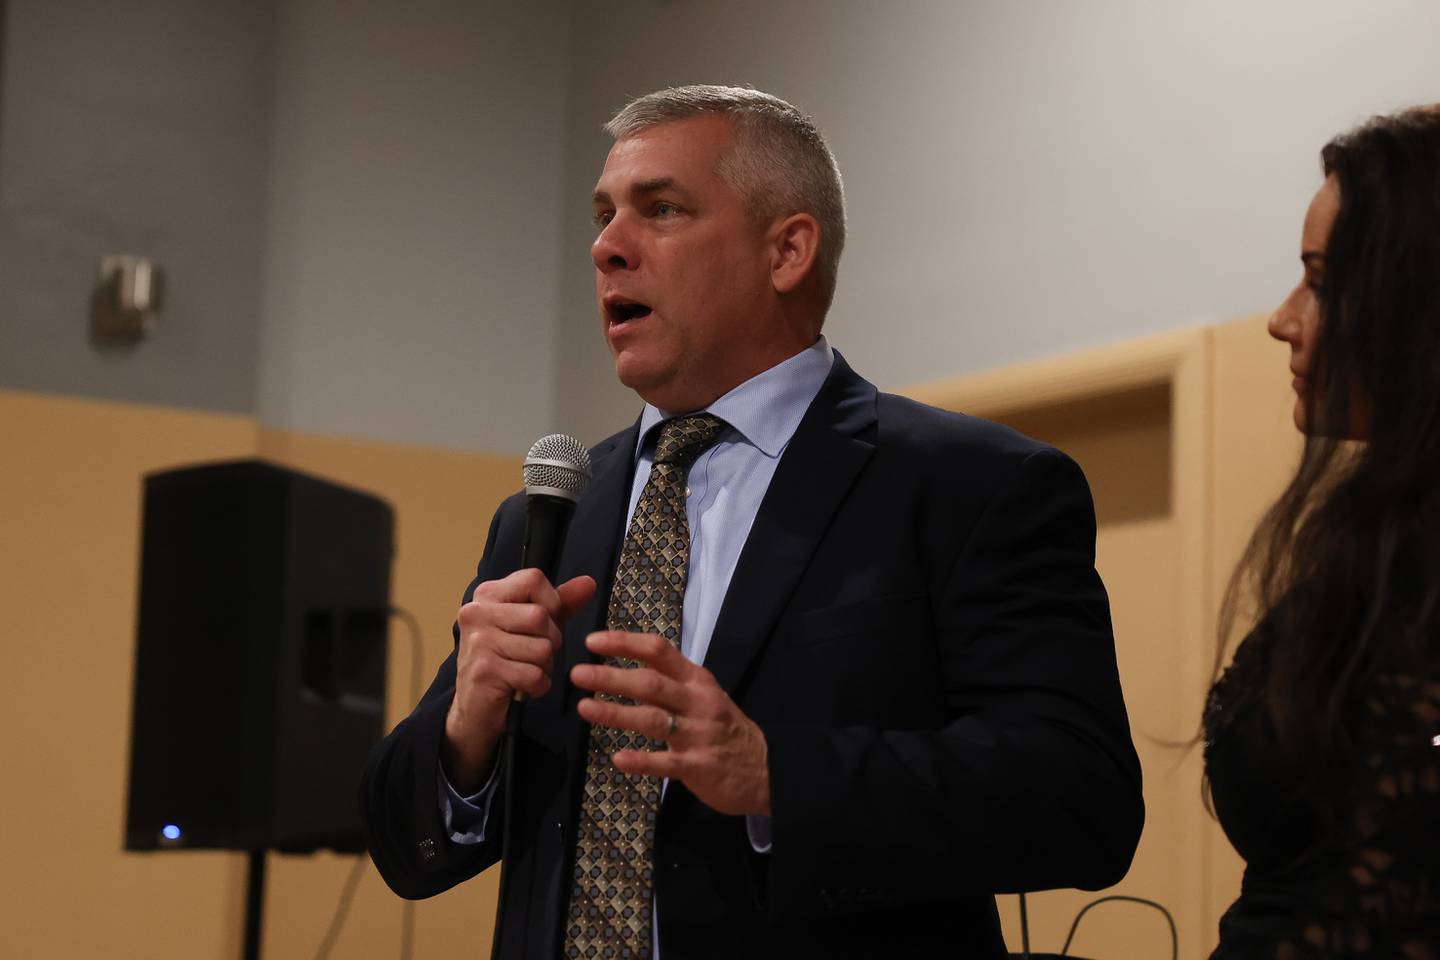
[[509, 632]]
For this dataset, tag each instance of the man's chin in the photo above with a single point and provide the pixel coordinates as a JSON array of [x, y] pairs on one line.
[[633, 372], [659, 388]]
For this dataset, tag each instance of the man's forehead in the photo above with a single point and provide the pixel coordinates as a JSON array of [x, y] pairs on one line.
[[675, 151]]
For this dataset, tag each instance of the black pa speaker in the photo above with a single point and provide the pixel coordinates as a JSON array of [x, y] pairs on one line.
[[260, 659]]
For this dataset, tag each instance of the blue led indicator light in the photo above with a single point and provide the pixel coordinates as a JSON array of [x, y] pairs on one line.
[[170, 832]]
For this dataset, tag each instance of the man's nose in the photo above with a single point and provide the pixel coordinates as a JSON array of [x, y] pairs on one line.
[[613, 249]]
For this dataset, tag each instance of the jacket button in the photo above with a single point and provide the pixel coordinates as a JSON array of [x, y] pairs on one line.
[[427, 850]]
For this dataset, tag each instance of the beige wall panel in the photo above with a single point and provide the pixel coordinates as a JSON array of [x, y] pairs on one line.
[[1185, 440], [1190, 484], [72, 480], [1256, 450], [443, 503], [1257, 447], [1136, 418], [1123, 443], [71, 486]]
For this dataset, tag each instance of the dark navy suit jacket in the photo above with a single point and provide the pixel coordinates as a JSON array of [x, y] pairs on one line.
[[917, 626]]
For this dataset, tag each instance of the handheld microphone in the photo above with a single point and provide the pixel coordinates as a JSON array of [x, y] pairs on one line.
[[557, 470]]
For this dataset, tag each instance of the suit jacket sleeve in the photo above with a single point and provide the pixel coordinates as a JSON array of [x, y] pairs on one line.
[[399, 790], [1032, 784]]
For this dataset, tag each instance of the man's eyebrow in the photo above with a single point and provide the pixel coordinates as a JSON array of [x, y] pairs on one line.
[[643, 188], [655, 185]]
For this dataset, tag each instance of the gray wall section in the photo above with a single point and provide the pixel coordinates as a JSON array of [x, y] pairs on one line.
[[375, 219], [141, 127], [355, 202], [411, 252], [1023, 179], [589, 402]]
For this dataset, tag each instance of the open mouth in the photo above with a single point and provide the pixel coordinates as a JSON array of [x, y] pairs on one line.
[[619, 311]]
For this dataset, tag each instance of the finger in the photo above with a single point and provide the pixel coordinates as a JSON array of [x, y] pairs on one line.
[[650, 649], [522, 586], [653, 722], [640, 684], [652, 763], [525, 677], [493, 627], [574, 594], [483, 662], [524, 619], [523, 649]]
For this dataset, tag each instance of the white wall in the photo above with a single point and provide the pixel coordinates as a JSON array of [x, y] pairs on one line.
[[1024, 178], [387, 203], [411, 242]]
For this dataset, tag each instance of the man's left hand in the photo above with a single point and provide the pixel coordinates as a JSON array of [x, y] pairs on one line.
[[713, 748]]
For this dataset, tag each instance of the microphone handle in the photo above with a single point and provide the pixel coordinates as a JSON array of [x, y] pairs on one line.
[[547, 519]]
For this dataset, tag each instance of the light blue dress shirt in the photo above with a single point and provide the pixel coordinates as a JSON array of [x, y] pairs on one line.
[[725, 487]]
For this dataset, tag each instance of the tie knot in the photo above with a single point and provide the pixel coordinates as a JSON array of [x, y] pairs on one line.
[[683, 439]]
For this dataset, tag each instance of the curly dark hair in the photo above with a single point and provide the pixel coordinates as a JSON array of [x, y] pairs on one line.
[[1345, 566]]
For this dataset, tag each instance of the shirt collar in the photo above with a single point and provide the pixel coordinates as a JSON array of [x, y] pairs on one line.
[[767, 408]]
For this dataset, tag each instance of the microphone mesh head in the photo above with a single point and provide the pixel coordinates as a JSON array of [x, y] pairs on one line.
[[557, 466]]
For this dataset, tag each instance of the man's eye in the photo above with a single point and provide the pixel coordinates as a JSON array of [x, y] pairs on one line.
[[663, 209], [602, 219]]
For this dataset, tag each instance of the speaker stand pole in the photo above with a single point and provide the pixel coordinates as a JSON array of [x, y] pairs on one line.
[[254, 904]]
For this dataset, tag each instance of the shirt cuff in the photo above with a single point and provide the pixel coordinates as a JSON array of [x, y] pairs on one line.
[[757, 827], [465, 817]]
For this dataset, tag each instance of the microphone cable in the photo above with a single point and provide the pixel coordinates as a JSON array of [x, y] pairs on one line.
[[417, 667], [342, 910], [1174, 936], [352, 879], [556, 472], [1075, 925], [506, 759]]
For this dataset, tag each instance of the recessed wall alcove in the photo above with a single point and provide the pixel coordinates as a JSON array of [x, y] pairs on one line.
[[1184, 438]]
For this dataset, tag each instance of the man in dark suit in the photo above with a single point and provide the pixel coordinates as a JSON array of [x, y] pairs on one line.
[[859, 674]]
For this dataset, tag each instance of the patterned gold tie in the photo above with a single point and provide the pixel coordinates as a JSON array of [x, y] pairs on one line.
[[611, 896]]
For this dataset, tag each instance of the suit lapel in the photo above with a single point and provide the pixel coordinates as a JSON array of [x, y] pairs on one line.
[[593, 542], [815, 473]]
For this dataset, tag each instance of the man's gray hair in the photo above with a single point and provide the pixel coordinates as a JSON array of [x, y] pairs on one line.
[[780, 163]]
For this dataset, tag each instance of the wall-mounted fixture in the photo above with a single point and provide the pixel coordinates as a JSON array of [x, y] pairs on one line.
[[127, 297]]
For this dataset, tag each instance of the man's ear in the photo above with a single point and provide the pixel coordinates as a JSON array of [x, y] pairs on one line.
[[794, 245]]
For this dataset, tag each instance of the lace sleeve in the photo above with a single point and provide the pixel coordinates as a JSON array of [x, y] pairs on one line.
[[1381, 896]]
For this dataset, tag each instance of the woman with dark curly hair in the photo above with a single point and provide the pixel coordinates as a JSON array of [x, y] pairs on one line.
[[1322, 738]]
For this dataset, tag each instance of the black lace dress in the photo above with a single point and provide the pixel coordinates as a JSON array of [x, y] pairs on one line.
[[1356, 876]]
